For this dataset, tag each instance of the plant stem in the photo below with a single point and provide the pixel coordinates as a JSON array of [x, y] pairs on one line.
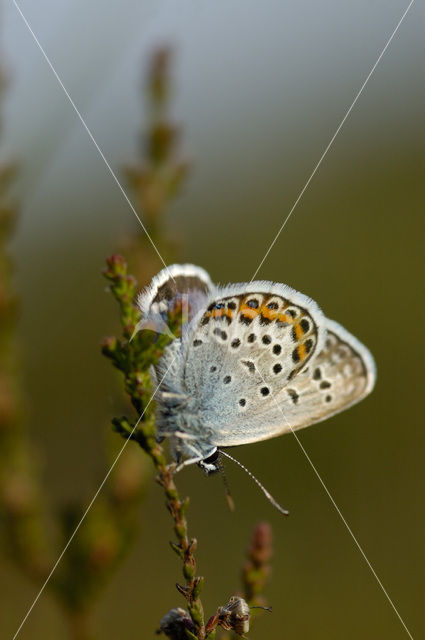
[[134, 358]]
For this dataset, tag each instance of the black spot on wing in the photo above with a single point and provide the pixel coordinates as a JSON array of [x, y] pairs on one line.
[[249, 364], [293, 395]]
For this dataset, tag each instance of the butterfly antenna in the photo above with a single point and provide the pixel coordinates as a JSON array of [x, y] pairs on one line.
[[263, 489], [229, 498]]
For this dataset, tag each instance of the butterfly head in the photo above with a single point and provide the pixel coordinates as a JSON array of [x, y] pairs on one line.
[[211, 464]]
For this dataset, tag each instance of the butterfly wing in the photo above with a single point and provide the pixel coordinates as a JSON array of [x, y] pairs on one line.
[[185, 283], [262, 360], [342, 374], [250, 342]]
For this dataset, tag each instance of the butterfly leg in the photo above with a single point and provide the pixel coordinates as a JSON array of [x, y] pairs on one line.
[[176, 467]]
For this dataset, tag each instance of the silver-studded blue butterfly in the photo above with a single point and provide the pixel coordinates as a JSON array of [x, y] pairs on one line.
[[255, 360]]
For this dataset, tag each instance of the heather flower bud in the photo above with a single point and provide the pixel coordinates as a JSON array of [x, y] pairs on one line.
[[175, 623]]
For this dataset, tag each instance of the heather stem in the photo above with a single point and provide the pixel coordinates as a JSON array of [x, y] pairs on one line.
[[133, 358]]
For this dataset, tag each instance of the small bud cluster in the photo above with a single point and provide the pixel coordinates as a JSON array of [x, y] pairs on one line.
[[256, 569], [175, 624], [234, 616]]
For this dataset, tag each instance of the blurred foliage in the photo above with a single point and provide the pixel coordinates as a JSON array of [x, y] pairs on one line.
[[21, 508], [105, 531], [159, 174]]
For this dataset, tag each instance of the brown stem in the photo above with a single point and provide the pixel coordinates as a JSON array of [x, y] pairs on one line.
[[186, 546]]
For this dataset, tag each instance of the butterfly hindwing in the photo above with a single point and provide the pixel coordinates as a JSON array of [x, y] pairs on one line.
[[248, 343], [340, 375]]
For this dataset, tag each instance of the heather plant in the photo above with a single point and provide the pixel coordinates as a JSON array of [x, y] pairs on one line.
[[133, 354], [73, 550], [34, 533]]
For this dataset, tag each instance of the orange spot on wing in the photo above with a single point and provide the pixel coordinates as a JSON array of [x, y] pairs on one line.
[[302, 351], [270, 314], [249, 311], [299, 331], [283, 317]]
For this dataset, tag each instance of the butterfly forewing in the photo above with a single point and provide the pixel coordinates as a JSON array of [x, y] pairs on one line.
[[186, 285]]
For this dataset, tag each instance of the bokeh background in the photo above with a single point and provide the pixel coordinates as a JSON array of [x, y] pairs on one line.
[[260, 88]]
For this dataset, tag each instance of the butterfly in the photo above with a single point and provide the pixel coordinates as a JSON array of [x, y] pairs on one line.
[[255, 360]]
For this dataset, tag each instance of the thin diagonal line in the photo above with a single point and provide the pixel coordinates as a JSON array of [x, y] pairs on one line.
[[338, 510], [102, 155], [89, 506], [333, 138], [352, 534]]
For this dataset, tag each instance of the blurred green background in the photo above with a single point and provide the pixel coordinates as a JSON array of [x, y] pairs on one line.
[[260, 88]]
